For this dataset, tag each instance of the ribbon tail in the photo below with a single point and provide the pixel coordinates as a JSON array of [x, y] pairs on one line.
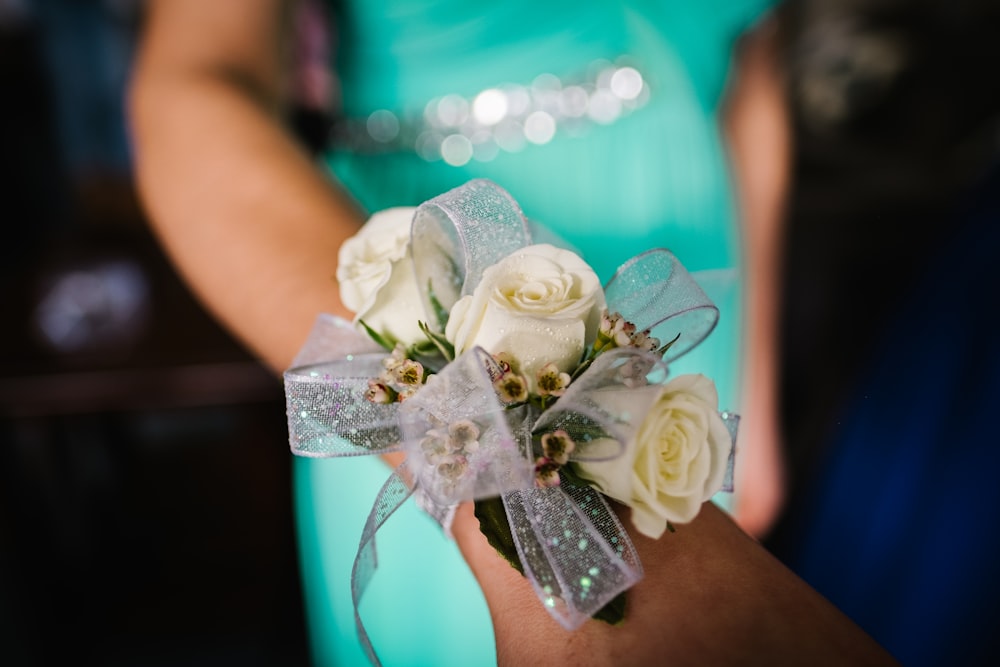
[[392, 495], [574, 550], [732, 422]]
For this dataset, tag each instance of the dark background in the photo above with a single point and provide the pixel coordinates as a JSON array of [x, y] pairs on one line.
[[145, 499], [895, 106]]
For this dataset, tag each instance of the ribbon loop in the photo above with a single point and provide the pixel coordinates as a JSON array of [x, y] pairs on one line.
[[328, 415], [655, 292], [458, 235]]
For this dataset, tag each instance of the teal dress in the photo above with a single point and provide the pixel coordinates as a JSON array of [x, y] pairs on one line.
[[640, 165]]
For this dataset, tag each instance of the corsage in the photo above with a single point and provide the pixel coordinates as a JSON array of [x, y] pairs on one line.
[[512, 378]]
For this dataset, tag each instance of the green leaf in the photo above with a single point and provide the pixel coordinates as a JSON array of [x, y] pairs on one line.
[[663, 350], [385, 340], [583, 429], [613, 612], [494, 525], [582, 367], [439, 311], [423, 348], [446, 349], [569, 474]]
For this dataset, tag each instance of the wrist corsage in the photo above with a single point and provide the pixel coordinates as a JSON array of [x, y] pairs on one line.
[[512, 378]]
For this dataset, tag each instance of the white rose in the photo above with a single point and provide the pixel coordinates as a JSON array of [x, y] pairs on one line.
[[541, 305], [375, 273], [676, 462]]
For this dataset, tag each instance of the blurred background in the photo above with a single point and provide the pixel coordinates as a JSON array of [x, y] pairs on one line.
[[890, 372], [145, 501]]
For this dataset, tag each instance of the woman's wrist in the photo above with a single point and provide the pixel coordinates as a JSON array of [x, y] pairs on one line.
[[710, 595]]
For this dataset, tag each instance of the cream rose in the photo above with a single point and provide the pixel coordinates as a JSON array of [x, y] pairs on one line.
[[375, 273], [541, 305], [676, 462]]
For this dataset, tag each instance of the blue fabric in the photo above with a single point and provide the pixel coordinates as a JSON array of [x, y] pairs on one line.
[[655, 178], [899, 529]]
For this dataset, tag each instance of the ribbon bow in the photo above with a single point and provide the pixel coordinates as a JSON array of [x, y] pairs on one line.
[[464, 443]]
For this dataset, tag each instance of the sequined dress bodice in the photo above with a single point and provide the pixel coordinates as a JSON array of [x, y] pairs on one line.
[[618, 185]]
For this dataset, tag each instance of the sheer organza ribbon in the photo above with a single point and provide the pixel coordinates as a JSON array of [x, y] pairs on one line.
[[572, 547]]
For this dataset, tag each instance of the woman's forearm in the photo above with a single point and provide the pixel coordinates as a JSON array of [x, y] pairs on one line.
[[249, 220], [711, 596], [758, 133]]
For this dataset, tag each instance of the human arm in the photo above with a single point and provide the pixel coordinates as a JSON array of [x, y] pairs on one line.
[[249, 220], [758, 134]]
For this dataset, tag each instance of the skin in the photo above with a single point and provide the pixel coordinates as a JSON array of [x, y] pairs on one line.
[[756, 127], [254, 227], [711, 596]]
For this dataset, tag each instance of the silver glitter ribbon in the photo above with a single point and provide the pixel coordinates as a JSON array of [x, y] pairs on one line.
[[572, 547]]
